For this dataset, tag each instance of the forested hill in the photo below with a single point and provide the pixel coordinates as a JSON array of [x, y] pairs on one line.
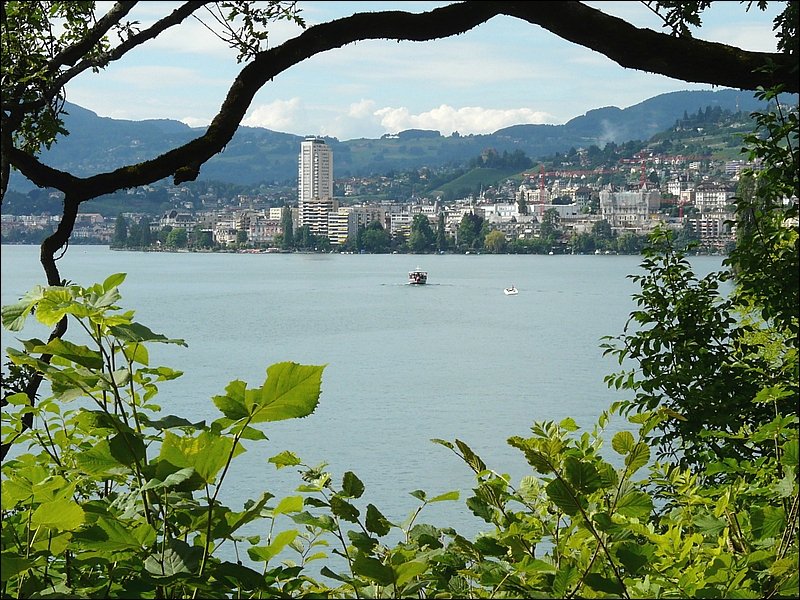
[[256, 155]]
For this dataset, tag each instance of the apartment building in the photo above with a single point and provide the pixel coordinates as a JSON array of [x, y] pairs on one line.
[[315, 185]]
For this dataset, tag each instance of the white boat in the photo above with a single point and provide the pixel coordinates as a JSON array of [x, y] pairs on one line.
[[417, 277], [511, 291]]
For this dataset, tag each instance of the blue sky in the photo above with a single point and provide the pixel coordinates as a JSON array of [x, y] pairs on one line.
[[502, 73]]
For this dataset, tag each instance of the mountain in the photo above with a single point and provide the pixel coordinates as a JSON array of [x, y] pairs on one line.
[[256, 155]]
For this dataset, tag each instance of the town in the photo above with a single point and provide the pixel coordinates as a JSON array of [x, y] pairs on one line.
[[569, 207]]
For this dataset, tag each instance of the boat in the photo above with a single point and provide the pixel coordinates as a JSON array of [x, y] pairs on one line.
[[417, 277], [511, 291]]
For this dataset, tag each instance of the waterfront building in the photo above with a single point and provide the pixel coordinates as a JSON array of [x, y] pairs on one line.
[[631, 210], [315, 185], [712, 197]]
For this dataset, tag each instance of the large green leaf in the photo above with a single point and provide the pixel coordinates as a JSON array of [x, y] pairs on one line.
[[207, 453], [290, 391], [64, 515], [352, 487], [136, 332], [634, 556], [100, 460], [373, 569], [343, 509], [80, 355], [634, 503], [14, 315], [288, 505], [376, 522], [267, 553], [56, 303], [177, 558], [790, 454], [285, 459], [108, 535], [232, 404], [638, 457], [622, 442], [566, 579], [472, 459], [565, 498], [407, 571], [767, 521], [582, 475]]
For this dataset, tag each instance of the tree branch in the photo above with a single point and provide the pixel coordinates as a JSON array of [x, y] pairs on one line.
[[687, 59]]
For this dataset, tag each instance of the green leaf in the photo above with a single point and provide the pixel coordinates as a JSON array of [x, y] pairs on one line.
[[373, 569], [582, 475], [232, 406], [14, 315], [285, 459], [289, 504], [64, 515], [99, 460], [536, 458], [709, 525], [564, 581], [352, 487], [80, 355], [634, 503], [326, 572], [453, 495], [207, 453], [344, 510], [604, 584], [444, 443], [362, 541], [267, 553], [290, 391], [177, 558], [622, 442], [639, 456], [136, 332], [252, 511], [568, 424], [127, 448], [564, 497], [767, 521], [790, 454], [114, 281], [472, 459], [376, 522], [409, 570], [634, 556], [107, 535], [236, 576], [322, 521]]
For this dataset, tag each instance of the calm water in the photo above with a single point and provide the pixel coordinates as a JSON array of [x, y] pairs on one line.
[[453, 359]]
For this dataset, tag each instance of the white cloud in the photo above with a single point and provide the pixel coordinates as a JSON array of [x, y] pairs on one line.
[[466, 120], [195, 121], [280, 115]]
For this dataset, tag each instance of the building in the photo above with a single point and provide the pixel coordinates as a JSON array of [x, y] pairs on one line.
[[315, 186], [630, 210]]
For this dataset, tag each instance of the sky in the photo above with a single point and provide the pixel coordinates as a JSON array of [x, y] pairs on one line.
[[504, 72]]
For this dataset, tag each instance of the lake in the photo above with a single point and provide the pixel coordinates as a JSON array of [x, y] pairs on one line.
[[455, 358]]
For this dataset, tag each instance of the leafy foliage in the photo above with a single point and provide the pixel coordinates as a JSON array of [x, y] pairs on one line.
[[106, 497]]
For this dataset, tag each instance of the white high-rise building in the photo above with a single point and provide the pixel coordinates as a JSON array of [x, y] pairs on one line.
[[315, 185]]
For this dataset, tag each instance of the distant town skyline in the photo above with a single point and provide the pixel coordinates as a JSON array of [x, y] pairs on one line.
[[502, 73]]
